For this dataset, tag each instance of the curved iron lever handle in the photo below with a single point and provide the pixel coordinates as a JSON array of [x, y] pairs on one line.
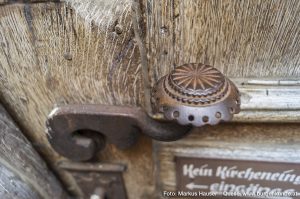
[[192, 94], [118, 125]]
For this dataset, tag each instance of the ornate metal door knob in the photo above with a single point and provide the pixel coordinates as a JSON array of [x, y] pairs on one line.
[[196, 94], [192, 95]]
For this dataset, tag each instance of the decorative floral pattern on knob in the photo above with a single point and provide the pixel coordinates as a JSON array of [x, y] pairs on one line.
[[196, 79], [196, 94]]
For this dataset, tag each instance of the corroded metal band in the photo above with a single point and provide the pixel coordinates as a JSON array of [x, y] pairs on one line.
[[196, 94]]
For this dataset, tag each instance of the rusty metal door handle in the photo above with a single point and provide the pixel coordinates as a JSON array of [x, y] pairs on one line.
[[191, 95], [79, 131]]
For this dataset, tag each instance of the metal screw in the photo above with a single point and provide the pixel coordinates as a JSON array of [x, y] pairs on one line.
[[118, 29]]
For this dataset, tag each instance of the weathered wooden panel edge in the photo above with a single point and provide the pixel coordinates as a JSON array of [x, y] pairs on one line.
[[18, 156], [268, 100]]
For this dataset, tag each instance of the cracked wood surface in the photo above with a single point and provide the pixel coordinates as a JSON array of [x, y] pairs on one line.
[[245, 38]]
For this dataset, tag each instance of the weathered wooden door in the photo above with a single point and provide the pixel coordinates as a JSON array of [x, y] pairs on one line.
[[111, 52]]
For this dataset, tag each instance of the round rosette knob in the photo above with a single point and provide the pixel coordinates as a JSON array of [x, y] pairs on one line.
[[195, 94]]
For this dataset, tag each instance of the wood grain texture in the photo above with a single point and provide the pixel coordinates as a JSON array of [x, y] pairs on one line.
[[241, 38], [16, 188], [66, 53], [23, 174], [2, 2], [267, 142]]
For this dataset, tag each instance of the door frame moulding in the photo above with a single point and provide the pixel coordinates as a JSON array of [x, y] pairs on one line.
[[268, 100]]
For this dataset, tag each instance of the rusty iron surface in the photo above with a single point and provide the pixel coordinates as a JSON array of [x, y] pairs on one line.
[[78, 132], [101, 181], [196, 94]]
